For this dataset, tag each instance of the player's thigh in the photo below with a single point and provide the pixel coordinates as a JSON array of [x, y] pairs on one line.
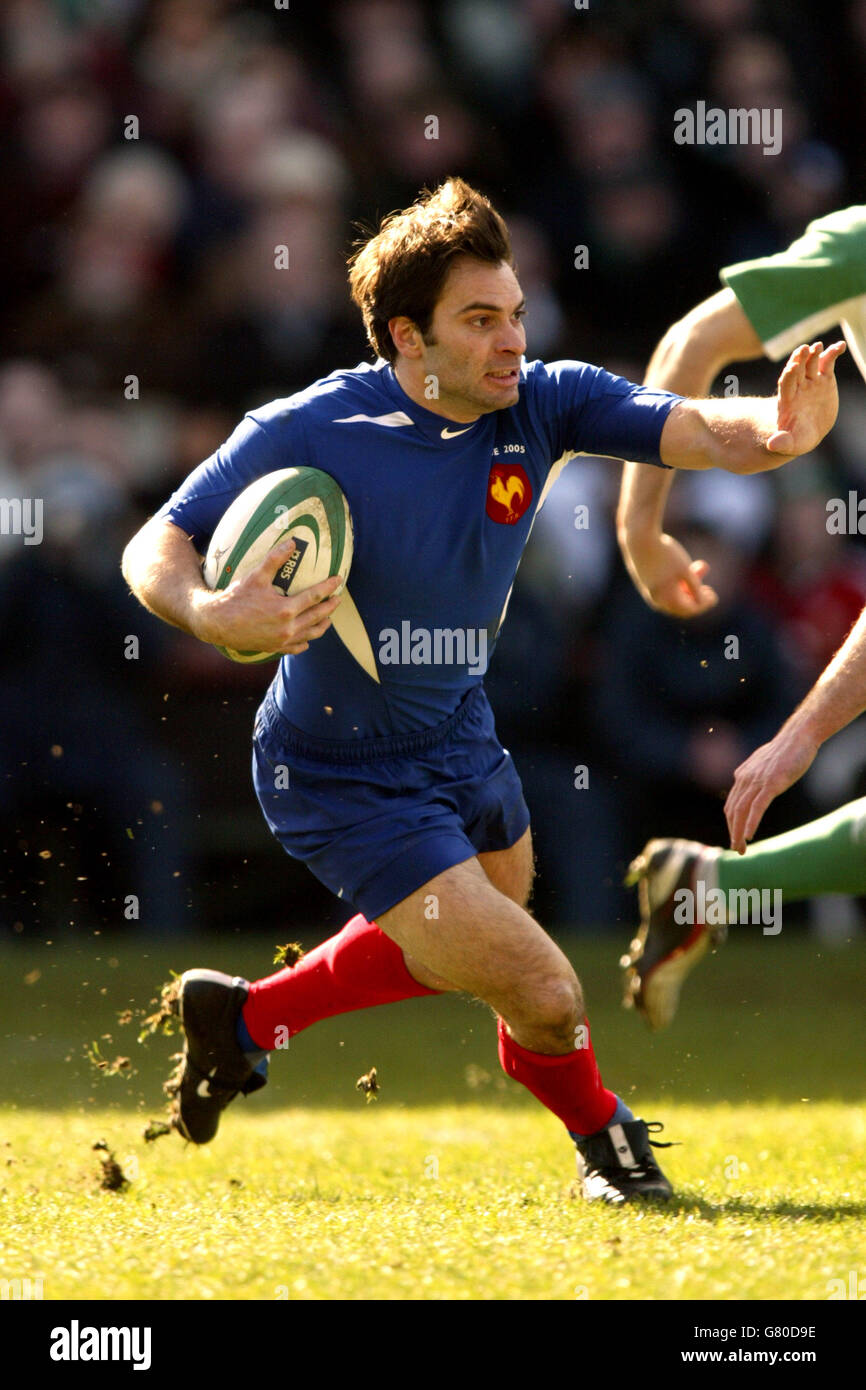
[[511, 870], [462, 929]]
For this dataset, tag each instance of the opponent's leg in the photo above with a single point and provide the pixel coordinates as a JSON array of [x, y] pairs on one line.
[[491, 947], [824, 856]]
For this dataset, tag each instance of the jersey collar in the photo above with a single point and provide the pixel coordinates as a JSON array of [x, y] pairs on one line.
[[431, 425]]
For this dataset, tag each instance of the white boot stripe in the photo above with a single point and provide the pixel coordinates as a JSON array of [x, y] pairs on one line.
[[623, 1149]]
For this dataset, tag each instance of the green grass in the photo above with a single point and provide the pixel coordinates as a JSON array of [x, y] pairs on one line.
[[455, 1184]]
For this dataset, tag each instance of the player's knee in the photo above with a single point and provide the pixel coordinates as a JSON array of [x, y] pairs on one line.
[[557, 1008]]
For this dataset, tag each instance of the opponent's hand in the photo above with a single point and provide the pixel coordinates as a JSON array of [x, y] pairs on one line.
[[766, 773], [668, 579], [253, 615], [807, 399]]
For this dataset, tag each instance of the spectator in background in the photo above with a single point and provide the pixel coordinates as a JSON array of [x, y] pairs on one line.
[[813, 584], [263, 94], [113, 309], [32, 410], [416, 127], [82, 779], [752, 71], [269, 332]]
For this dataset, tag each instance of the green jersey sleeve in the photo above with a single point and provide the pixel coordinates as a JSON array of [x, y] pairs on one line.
[[795, 296]]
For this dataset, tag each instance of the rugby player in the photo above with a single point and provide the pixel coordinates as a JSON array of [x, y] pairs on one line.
[[401, 799], [766, 307]]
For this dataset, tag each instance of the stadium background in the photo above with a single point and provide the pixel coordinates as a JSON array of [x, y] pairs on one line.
[[142, 313]]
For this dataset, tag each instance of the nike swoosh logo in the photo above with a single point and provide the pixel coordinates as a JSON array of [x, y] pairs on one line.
[[452, 434]]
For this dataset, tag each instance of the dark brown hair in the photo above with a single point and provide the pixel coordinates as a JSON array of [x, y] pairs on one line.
[[402, 268]]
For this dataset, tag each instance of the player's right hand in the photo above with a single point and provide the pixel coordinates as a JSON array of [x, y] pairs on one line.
[[766, 773], [252, 614], [668, 579]]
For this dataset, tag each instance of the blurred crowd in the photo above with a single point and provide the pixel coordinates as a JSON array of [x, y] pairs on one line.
[[156, 153]]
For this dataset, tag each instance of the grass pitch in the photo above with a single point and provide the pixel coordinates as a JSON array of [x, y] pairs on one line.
[[454, 1183]]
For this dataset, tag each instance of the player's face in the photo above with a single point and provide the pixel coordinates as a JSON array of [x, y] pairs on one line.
[[476, 340]]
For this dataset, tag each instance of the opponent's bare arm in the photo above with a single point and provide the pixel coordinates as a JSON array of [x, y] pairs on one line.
[[687, 360], [163, 570], [740, 436], [837, 697], [752, 435]]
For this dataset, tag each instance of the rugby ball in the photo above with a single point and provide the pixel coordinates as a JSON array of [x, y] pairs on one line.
[[303, 503]]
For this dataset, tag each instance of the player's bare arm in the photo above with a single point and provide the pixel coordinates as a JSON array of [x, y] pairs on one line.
[[837, 697], [163, 570], [753, 435], [687, 360]]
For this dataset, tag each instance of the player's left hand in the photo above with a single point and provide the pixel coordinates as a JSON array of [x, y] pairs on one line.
[[807, 399], [766, 773]]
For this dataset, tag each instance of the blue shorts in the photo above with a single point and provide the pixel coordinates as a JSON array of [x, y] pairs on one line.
[[377, 819]]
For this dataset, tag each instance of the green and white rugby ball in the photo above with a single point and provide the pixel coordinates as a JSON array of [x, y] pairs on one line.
[[303, 503]]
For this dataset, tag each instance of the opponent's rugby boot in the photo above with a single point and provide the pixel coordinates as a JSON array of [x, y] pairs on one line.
[[672, 936]]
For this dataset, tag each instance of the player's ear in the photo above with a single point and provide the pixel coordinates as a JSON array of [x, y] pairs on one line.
[[406, 337]]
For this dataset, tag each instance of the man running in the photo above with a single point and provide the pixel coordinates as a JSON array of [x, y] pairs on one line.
[[400, 798], [767, 306]]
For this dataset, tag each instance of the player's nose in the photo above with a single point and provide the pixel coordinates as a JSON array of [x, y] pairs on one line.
[[513, 339]]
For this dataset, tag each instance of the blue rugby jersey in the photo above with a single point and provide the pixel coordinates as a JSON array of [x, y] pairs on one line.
[[441, 513]]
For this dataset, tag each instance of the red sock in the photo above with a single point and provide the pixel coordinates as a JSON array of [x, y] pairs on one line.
[[569, 1085], [355, 969]]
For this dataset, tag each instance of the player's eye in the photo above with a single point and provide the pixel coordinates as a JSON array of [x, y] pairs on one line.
[[483, 320]]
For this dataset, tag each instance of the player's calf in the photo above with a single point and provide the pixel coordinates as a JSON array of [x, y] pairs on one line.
[[490, 947]]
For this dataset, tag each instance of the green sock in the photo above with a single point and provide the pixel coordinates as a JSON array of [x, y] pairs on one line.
[[825, 856]]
